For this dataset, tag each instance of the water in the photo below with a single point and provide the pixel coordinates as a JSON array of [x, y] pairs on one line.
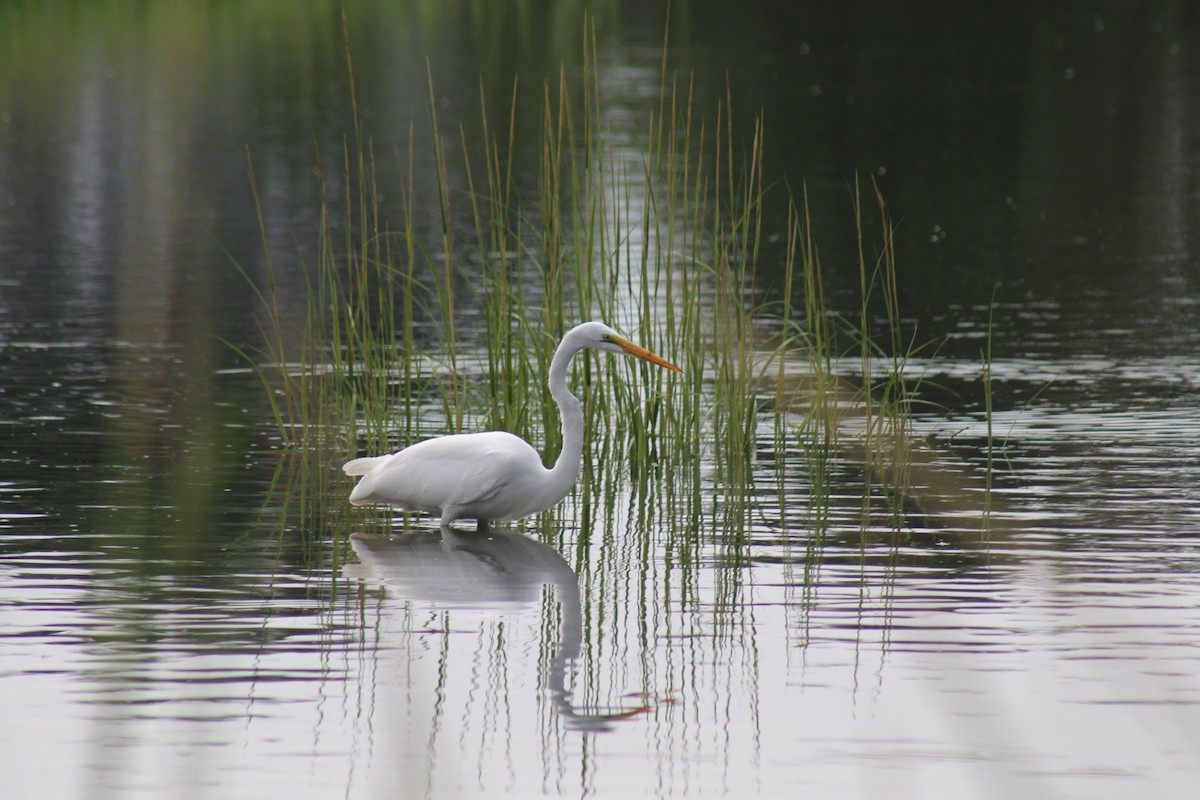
[[175, 623]]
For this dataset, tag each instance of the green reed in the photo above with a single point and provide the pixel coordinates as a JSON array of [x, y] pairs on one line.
[[985, 520], [818, 431], [886, 396]]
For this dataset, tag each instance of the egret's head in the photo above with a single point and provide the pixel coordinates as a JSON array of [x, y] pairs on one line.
[[601, 337]]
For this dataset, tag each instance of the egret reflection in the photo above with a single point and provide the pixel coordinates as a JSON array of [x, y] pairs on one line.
[[498, 569]]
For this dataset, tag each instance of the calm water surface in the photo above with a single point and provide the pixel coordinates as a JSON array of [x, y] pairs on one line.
[[173, 626]]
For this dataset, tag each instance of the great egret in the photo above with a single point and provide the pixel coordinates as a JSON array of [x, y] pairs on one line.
[[493, 475]]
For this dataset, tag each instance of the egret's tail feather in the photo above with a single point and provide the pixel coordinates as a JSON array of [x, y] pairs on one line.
[[363, 466]]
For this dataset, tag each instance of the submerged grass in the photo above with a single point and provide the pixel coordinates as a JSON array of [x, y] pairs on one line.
[[409, 332]]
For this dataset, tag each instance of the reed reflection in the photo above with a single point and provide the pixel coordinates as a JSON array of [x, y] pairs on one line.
[[500, 570]]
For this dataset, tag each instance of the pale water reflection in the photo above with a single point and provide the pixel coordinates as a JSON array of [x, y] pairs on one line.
[[1055, 664]]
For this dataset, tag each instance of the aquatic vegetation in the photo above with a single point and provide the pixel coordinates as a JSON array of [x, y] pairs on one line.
[[412, 330]]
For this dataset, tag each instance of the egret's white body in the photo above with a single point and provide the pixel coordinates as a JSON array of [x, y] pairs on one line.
[[493, 475]]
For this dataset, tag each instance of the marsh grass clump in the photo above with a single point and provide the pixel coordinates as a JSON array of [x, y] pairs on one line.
[[411, 331]]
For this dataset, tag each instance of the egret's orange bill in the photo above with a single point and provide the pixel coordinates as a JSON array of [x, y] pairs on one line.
[[640, 352]]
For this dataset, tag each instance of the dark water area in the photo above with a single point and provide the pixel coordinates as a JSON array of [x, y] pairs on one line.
[[1043, 158], [177, 621]]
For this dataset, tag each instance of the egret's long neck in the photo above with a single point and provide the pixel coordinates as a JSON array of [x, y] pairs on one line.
[[566, 470]]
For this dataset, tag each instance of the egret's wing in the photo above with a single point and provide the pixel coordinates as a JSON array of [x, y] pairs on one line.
[[458, 470], [363, 466]]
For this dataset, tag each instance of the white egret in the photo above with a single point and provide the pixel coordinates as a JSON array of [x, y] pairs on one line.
[[493, 475]]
